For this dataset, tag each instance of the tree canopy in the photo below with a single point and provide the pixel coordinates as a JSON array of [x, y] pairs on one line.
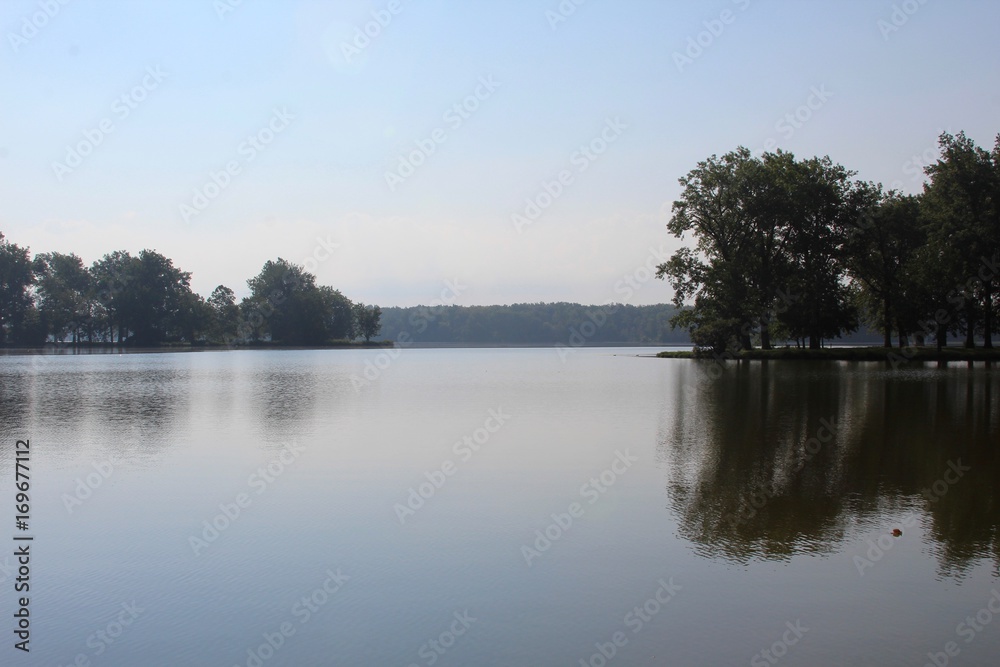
[[144, 300], [791, 249]]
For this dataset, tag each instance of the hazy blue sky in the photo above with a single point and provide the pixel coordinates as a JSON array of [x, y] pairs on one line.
[[329, 122]]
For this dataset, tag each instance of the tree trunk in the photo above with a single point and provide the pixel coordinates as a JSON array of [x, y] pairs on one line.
[[887, 325], [941, 338], [970, 334], [765, 333], [814, 342], [988, 316]]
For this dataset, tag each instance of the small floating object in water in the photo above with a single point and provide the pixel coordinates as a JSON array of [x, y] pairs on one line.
[[896, 532]]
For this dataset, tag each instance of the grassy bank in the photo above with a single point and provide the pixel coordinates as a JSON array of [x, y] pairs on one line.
[[915, 354]]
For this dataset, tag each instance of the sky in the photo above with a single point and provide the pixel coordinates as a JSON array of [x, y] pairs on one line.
[[466, 151]]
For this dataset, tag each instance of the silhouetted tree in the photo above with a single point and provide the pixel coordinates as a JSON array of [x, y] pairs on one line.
[[225, 315], [65, 291], [368, 320], [286, 305], [960, 211], [18, 319]]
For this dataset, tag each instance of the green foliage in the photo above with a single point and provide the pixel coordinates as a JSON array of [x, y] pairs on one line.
[[368, 320], [16, 303], [64, 291], [797, 249], [225, 317]]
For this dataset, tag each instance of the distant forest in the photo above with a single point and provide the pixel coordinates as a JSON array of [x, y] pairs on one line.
[[533, 323]]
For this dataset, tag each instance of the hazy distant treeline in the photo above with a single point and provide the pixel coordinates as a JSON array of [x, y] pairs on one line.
[[531, 323]]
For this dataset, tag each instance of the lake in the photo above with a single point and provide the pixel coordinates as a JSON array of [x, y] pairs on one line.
[[501, 507]]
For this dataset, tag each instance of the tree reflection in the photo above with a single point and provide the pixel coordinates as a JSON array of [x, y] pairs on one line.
[[768, 460]]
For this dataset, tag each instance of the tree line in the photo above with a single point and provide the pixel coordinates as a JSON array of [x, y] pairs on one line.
[[144, 300], [798, 250], [533, 323]]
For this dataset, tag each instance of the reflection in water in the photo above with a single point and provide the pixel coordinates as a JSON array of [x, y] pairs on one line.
[[119, 407], [772, 459]]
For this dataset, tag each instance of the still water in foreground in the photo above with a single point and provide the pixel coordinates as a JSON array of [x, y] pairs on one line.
[[501, 507]]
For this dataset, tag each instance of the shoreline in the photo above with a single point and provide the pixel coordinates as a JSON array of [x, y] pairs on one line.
[[893, 355]]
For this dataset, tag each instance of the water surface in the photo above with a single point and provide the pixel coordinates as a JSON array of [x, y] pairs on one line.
[[701, 511]]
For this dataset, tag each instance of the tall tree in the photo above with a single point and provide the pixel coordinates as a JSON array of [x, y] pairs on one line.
[[225, 315], [286, 305], [16, 302], [342, 324], [113, 275], [820, 196], [64, 289], [960, 211], [714, 273], [368, 320], [156, 296], [881, 244]]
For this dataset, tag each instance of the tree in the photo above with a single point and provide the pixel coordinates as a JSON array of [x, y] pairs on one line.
[[713, 208], [368, 320], [880, 248], [820, 196], [156, 295], [64, 289], [16, 302], [225, 315], [769, 236], [960, 210], [342, 324], [286, 305], [112, 276], [195, 318]]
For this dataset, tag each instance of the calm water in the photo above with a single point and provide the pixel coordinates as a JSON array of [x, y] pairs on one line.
[[702, 514]]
